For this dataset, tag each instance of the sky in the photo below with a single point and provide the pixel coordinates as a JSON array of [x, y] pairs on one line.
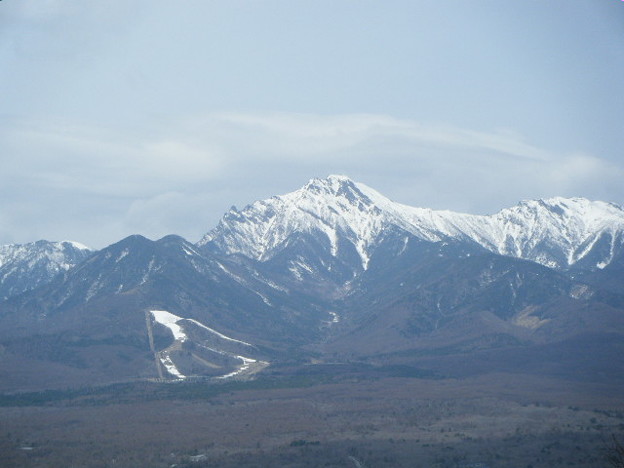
[[155, 117]]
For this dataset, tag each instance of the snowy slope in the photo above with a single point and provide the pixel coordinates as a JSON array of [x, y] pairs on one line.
[[209, 342], [334, 207], [26, 266], [556, 232]]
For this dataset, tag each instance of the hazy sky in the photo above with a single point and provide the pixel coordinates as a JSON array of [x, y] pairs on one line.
[[154, 117]]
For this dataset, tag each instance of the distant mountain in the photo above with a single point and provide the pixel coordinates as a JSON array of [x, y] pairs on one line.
[[332, 272], [414, 280], [99, 310], [347, 220], [440, 298], [26, 266]]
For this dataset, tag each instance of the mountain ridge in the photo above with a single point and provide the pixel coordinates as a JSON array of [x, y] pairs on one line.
[[334, 271], [556, 232], [26, 266]]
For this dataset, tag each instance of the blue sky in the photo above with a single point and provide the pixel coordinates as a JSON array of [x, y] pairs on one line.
[[154, 117]]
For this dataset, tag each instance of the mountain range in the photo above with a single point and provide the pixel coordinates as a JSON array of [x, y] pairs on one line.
[[332, 272]]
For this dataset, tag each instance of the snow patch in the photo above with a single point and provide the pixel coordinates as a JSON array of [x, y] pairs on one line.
[[123, 254], [170, 321], [76, 245], [220, 335], [246, 363], [150, 269], [189, 252], [335, 318], [165, 358]]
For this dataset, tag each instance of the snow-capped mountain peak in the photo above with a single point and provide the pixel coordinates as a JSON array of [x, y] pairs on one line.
[[335, 207], [556, 232]]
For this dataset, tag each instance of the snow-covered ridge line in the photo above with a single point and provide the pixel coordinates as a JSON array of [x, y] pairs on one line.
[[557, 232], [74, 244], [55, 252], [26, 266]]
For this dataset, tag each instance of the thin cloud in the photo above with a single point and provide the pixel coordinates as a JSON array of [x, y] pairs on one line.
[[326, 134], [181, 177], [92, 160]]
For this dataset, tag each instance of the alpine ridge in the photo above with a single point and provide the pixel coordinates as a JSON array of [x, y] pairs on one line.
[[26, 266], [556, 232]]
